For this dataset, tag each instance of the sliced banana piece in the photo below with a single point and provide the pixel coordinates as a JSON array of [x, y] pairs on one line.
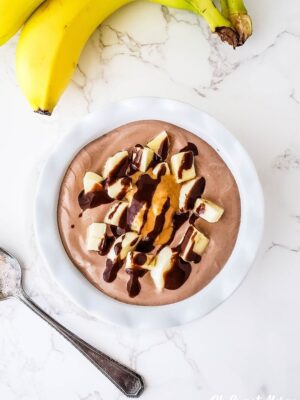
[[141, 158], [160, 145], [122, 246], [116, 215], [90, 180], [114, 164], [136, 260], [208, 210], [119, 188], [193, 245], [163, 263], [117, 254], [182, 165], [139, 219], [161, 169], [190, 191], [96, 233]]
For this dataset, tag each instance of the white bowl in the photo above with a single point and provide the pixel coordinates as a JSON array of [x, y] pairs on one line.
[[249, 236]]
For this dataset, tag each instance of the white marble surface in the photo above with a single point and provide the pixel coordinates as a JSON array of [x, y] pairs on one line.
[[249, 346]]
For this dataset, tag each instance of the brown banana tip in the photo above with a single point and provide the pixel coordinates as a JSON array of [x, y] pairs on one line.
[[228, 35], [43, 112], [243, 26]]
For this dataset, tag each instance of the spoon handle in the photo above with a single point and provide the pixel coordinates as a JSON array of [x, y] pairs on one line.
[[128, 381]]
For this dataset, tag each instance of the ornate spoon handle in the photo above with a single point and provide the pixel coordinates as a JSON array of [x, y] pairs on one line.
[[128, 381]]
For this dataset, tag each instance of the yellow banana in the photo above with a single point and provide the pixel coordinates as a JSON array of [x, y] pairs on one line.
[[53, 38], [50, 45], [13, 14]]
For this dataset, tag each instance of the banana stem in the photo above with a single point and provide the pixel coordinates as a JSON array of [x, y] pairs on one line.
[[217, 22], [237, 7], [207, 9], [224, 8], [236, 12]]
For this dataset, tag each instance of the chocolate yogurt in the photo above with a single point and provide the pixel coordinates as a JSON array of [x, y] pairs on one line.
[[172, 227]]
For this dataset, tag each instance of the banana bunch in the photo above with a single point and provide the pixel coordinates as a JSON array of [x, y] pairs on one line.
[[56, 31]]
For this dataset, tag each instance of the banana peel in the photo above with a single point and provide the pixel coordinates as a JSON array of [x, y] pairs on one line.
[[236, 12], [53, 37], [13, 14]]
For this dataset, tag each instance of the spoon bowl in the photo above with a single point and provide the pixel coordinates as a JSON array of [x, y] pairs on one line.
[[10, 275], [128, 381]]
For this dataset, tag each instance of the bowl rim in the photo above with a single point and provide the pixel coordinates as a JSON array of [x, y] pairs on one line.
[[70, 278]]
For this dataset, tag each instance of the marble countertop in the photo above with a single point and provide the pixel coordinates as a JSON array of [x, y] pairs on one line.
[[248, 347]]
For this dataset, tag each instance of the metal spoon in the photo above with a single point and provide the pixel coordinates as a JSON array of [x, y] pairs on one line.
[[129, 382]]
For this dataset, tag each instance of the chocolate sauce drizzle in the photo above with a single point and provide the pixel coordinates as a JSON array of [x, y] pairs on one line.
[[146, 244], [193, 218], [155, 160], [190, 147], [201, 209], [125, 182], [119, 171], [163, 149], [105, 245], [123, 216], [186, 163], [132, 169], [146, 187], [191, 255], [178, 275], [195, 215], [112, 269], [195, 193], [133, 285], [136, 158], [94, 198], [162, 171], [117, 231], [99, 195], [178, 220]]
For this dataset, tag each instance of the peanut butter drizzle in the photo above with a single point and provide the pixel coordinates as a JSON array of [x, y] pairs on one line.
[[168, 188]]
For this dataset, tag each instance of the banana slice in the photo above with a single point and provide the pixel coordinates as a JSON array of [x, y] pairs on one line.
[[141, 158], [208, 210], [119, 188], [136, 260], [122, 246], [114, 164], [91, 180], [117, 254], [139, 220], [193, 245], [96, 233], [190, 191], [163, 263], [160, 145], [182, 165], [116, 215], [161, 169]]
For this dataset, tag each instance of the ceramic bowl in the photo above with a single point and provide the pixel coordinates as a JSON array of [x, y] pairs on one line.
[[249, 235]]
